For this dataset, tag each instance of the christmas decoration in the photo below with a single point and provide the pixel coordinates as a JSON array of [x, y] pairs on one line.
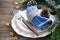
[[16, 37], [12, 33], [16, 3], [7, 24], [17, 6], [54, 7]]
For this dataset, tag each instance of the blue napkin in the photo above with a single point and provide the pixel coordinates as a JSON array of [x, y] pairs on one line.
[[40, 22], [31, 9]]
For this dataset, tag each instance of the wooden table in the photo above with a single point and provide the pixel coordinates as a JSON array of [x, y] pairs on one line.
[[6, 8]]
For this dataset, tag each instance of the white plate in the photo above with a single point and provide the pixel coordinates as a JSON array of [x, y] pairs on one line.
[[22, 30]]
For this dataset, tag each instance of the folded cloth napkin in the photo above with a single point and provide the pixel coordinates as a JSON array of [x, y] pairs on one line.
[[31, 9], [39, 22]]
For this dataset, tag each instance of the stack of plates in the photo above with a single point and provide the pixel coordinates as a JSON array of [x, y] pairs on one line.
[[20, 28]]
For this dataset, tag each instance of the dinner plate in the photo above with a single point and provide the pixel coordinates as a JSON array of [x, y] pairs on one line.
[[21, 29]]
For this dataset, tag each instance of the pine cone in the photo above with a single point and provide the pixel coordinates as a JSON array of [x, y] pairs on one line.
[[32, 3], [45, 13]]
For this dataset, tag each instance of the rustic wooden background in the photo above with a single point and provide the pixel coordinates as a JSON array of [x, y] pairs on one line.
[[6, 8]]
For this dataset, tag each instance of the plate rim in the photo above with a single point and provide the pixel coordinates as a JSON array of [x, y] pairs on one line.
[[23, 35]]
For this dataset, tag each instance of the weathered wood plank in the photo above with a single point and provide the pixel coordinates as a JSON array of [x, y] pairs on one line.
[[5, 18], [5, 4], [6, 11], [6, 7], [7, 0]]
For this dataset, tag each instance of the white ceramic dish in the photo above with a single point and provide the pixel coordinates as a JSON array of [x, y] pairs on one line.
[[22, 30]]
